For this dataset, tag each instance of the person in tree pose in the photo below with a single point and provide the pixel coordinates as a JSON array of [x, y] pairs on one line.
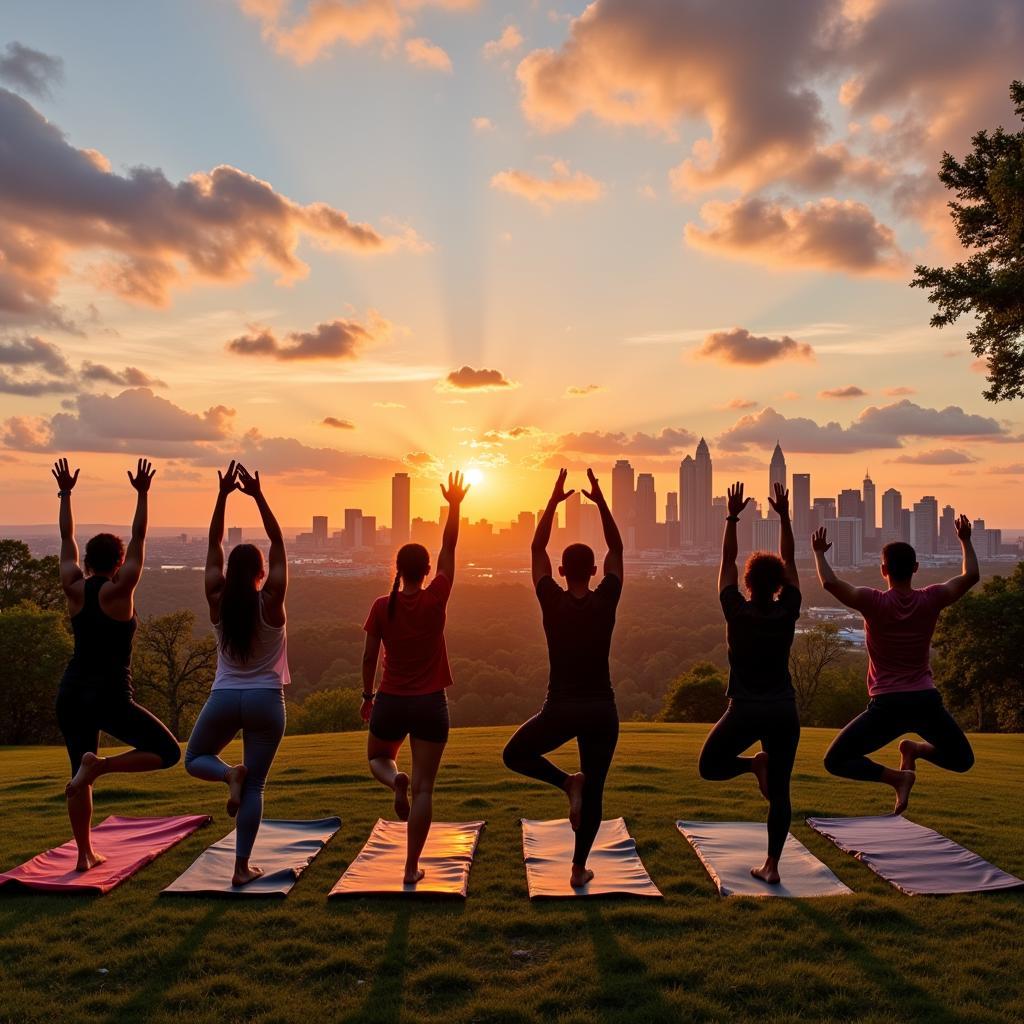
[[248, 615], [762, 702], [96, 692], [409, 623], [580, 704], [899, 623]]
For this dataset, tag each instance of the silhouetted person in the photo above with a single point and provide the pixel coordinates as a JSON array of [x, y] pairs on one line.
[[899, 623], [248, 616], [411, 701], [580, 704], [96, 692], [762, 702]]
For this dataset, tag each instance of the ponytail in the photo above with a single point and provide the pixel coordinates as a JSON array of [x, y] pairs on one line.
[[393, 598]]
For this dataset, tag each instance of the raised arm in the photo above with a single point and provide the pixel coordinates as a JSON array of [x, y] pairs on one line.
[[541, 563], [970, 573], [454, 495], [728, 574], [214, 578], [130, 572], [787, 545], [70, 570], [845, 592], [276, 586], [613, 560]]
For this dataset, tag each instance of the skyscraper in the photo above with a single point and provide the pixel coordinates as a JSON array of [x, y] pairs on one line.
[[947, 530], [672, 520], [353, 536], [624, 500], [847, 536], [646, 511], [869, 507], [368, 531], [320, 531], [573, 519], [688, 501], [850, 505], [703, 494], [400, 505], [234, 536], [776, 475], [924, 526], [802, 508], [892, 516], [821, 510]]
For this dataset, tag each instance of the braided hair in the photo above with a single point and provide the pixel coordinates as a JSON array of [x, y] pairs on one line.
[[412, 563]]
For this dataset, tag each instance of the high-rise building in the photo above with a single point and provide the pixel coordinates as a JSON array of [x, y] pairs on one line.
[[353, 535], [591, 530], [672, 537], [850, 505], [892, 516], [573, 518], [320, 531], [719, 510], [400, 509], [924, 526], [906, 529], [688, 501], [776, 475], [368, 531], [947, 530], [624, 500], [801, 503], [765, 535], [646, 512], [704, 527], [869, 508], [847, 536], [988, 543], [234, 536], [822, 510]]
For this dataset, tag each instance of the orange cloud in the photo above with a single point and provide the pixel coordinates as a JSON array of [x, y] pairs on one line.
[[337, 339], [424, 54], [739, 346], [468, 379], [935, 457], [509, 40], [582, 390], [850, 391], [333, 421], [827, 234], [563, 186]]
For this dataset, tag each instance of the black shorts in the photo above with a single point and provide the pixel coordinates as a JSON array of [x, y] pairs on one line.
[[422, 716]]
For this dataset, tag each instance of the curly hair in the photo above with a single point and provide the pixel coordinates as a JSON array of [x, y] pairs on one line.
[[764, 575], [104, 554]]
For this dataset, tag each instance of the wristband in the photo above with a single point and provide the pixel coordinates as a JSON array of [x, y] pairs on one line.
[[63, 494], [732, 519], [368, 697]]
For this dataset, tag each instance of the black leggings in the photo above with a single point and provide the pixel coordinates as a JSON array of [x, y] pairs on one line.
[[891, 715], [776, 725], [86, 709], [595, 727]]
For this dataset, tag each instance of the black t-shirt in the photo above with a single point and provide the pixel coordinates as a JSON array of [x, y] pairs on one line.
[[579, 634], [760, 636]]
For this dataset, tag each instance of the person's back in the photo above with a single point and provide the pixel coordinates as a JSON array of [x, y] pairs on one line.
[[266, 666], [103, 645], [579, 637], [760, 634]]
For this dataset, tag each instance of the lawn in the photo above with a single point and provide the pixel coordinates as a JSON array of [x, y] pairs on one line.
[[875, 956]]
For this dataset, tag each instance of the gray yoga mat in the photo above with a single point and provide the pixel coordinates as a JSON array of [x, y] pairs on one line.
[[917, 860], [283, 849], [729, 849]]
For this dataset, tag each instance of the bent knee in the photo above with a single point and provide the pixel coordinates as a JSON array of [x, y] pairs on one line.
[[833, 762], [511, 756], [171, 756], [965, 762]]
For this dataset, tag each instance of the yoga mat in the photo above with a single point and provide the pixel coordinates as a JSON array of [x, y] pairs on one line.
[[284, 849], [618, 870], [729, 849], [446, 859], [917, 860], [127, 843]]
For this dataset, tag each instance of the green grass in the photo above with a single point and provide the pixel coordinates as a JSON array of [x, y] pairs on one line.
[[874, 956]]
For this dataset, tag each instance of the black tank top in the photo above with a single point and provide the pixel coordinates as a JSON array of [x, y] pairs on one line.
[[103, 646]]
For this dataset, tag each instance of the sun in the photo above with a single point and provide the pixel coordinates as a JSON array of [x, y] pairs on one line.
[[474, 476]]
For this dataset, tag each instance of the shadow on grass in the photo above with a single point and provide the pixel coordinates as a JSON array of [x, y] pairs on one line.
[[911, 1001], [383, 1003], [627, 992], [141, 1006]]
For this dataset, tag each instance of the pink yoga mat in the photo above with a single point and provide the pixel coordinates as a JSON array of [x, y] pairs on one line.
[[127, 843]]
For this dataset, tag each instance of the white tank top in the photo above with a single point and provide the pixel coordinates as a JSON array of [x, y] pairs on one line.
[[267, 667]]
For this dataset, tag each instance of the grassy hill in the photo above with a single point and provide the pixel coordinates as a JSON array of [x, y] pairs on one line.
[[875, 956]]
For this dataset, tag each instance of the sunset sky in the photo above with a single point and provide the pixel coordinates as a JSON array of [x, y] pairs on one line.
[[340, 239]]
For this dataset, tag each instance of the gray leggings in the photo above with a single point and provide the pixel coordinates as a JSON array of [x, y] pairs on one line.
[[260, 714]]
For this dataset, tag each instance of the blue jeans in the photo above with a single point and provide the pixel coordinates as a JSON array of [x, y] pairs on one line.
[[260, 714]]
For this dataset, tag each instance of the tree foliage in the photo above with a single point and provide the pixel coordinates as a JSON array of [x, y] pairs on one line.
[[24, 578], [326, 711], [814, 651], [698, 696], [989, 217], [980, 643]]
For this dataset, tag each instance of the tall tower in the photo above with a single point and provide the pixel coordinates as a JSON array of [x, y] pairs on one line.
[[776, 475], [646, 510], [801, 505], [573, 518], [400, 506], [869, 507], [688, 501], [924, 525], [703, 495], [624, 498], [892, 516]]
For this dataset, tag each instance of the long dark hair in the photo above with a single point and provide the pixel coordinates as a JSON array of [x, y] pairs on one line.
[[412, 563], [240, 602]]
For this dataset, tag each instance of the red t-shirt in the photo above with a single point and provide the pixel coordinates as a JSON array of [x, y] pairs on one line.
[[899, 627], [415, 657]]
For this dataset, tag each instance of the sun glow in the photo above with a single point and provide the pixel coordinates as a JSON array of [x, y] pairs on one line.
[[474, 476]]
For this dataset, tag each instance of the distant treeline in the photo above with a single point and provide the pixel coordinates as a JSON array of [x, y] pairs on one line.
[[668, 656]]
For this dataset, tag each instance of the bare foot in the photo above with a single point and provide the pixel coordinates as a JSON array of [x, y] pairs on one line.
[[580, 877], [88, 771], [759, 766], [767, 872], [243, 876], [903, 788], [402, 796], [574, 789], [908, 755], [235, 780], [411, 878], [89, 860]]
